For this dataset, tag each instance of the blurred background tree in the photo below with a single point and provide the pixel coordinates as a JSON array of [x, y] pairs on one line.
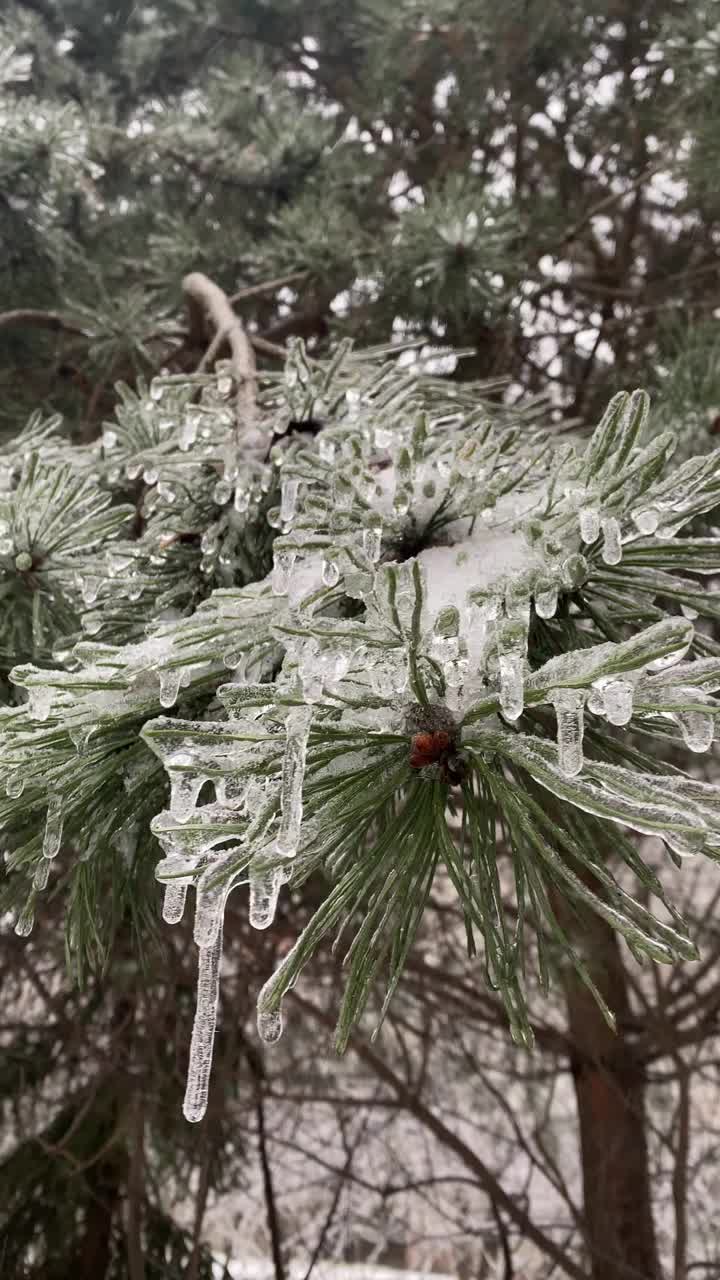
[[536, 182]]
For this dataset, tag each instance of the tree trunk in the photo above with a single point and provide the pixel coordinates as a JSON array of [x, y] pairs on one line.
[[609, 1087]]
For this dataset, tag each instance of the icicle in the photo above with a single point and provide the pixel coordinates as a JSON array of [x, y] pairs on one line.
[[188, 431], [618, 701], [242, 499], [697, 728], [297, 728], [589, 524], [288, 499], [546, 601], [53, 827], [26, 919], [203, 1032], [512, 633], [330, 573], [42, 874], [169, 686], [265, 887], [40, 702], [612, 545], [270, 1025], [569, 705], [372, 540], [174, 901], [283, 562]]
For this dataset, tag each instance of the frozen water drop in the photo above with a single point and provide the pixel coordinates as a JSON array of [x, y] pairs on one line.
[[330, 573], [156, 392], [618, 700], [42, 874], [53, 827], [270, 1025], [372, 541], [612, 543], [546, 602], [264, 890], [283, 562], [589, 524], [224, 385], [288, 499], [169, 686], [26, 919], [697, 728], [646, 521], [222, 492], [14, 785], [569, 707], [174, 901]]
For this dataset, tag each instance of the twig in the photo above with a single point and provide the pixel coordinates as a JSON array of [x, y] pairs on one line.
[[203, 297], [41, 320], [257, 1072], [268, 286], [135, 1259]]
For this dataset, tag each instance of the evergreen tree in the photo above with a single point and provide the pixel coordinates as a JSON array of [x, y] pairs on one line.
[[317, 568]]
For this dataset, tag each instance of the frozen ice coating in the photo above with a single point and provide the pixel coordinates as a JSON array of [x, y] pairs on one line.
[[203, 1032], [426, 564]]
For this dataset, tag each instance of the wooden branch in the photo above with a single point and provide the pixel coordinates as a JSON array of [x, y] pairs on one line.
[[41, 320], [267, 286], [204, 297]]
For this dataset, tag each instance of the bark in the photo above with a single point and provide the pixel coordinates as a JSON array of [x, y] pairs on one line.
[[609, 1087]]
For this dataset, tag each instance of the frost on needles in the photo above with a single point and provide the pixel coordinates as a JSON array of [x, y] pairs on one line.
[[421, 607]]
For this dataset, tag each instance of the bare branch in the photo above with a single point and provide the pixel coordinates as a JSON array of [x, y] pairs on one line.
[[204, 297]]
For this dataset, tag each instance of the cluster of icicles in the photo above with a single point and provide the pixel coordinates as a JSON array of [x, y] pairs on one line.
[[506, 615], [212, 891]]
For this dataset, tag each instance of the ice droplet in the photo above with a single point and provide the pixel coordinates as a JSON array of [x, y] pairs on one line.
[[264, 890], [330, 573], [26, 919], [288, 499], [42, 874], [222, 492], [612, 545], [512, 634], [174, 901], [14, 786], [53, 827], [618, 700], [169, 686], [156, 392], [283, 562], [297, 728], [546, 602], [270, 1025], [589, 524], [569, 706], [697, 728], [646, 521], [89, 588], [372, 541], [40, 702], [224, 385], [203, 1032]]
